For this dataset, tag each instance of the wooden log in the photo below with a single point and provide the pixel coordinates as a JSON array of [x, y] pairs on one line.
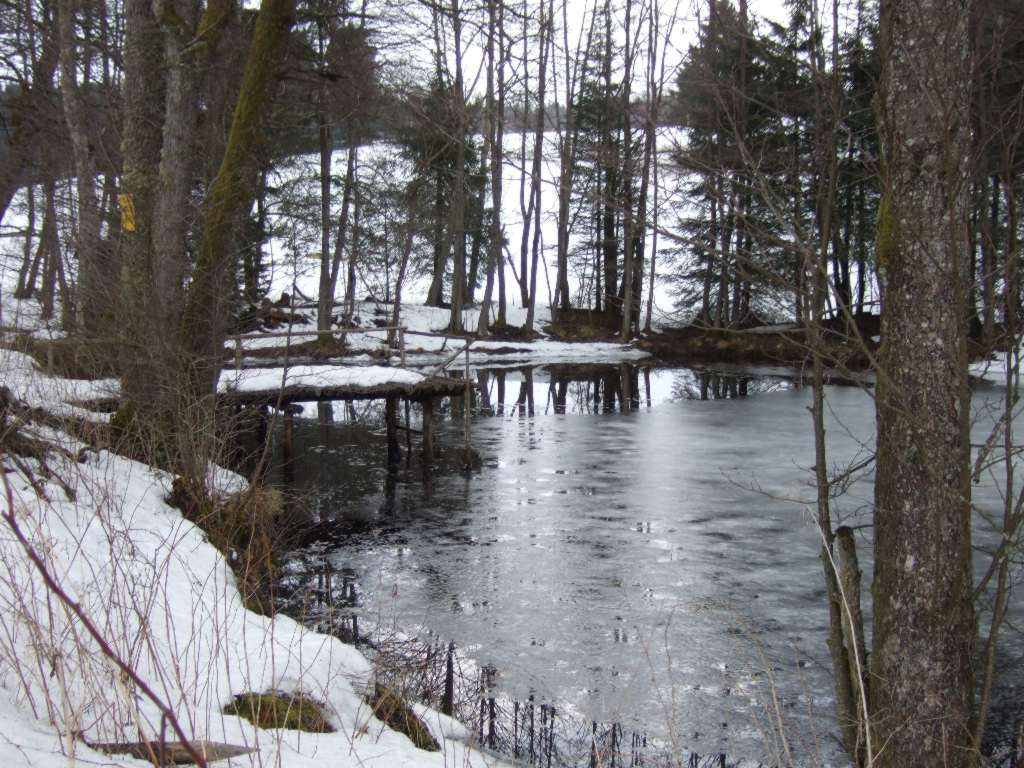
[[428, 431], [171, 752], [391, 421], [853, 620]]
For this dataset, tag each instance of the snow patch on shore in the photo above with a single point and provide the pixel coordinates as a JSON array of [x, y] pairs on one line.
[[166, 601]]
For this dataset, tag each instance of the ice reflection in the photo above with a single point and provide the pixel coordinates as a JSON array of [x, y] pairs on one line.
[[636, 545], [592, 389]]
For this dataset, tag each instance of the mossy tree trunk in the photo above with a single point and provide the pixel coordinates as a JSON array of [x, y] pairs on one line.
[[923, 643], [205, 315], [172, 338]]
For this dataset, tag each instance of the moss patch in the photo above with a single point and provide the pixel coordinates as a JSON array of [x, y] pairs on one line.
[[391, 709], [279, 710]]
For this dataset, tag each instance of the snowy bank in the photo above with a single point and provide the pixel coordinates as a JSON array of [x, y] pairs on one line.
[[58, 396], [166, 601], [427, 342], [316, 377]]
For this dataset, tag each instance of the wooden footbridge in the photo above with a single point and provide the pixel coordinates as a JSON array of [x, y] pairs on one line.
[[284, 383]]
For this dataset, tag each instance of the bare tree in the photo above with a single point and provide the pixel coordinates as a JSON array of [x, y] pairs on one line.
[[495, 132]]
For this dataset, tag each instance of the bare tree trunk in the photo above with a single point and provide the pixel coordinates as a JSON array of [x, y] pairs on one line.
[[92, 292], [922, 665], [457, 229], [525, 203], [25, 288], [628, 242], [504, 48], [147, 361], [654, 246], [538, 156], [709, 251], [49, 252], [435, 294], [989, 224], [325, 296], [656, 84], [477, 229], [567, 155], [495, 117], [177, 166], [396, 313], [353, 253]]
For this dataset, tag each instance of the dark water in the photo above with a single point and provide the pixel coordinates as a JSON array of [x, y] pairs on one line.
[[637, 544]]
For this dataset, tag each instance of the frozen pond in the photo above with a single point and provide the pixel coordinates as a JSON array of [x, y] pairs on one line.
[[628, 548]]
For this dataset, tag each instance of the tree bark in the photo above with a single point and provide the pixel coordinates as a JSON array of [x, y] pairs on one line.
[[325, 303], [325, 297], [495, 117], [205, 315], [922, 679], [92, 275], [147, 365], [24, 289], [457, 227], [177, 166], [536, 169]]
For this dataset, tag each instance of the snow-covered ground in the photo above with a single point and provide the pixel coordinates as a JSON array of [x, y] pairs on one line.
[[166, 601], [431, 350], [263, 379], [994, 369], [58, 396]]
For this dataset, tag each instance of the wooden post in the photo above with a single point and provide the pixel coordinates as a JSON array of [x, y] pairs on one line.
[[401, 343], [466, 407], [849, 577], [391, 420], [448, 700], [492, 740], [532, 749], [551, 733], [408, 432], [483, 705], [262, 428], [238, 356], [288, 468], [515, 729], [428, 430], [289, 433]]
